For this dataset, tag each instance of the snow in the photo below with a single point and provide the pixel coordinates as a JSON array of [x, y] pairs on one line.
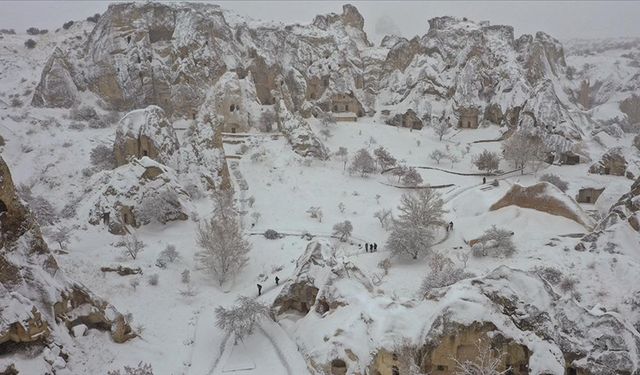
[[178, 333]]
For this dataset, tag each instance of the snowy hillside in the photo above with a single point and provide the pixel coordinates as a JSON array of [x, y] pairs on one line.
[[223, 195]]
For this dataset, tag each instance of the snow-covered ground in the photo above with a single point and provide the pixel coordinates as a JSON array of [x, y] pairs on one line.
[[178, 334]]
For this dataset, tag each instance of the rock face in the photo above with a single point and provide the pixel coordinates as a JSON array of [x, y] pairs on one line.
[[298, 132], [56, 87], [543, 197], [145, 132], [34, 293], [612, 162], [171, 54], [299, 295], [134, 194], [622, 220]]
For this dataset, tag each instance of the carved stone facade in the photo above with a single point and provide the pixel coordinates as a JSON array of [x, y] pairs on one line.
[[346, 102], [468, 118], [588, 195]]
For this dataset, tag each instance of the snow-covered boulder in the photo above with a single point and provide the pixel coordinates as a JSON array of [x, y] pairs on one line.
[[136, 193], [544, 197], [145, 132], [35, 294], [56, 87]]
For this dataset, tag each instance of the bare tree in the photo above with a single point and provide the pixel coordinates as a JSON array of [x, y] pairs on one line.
[[413, 231], [437, 155], [440, 127], [327, 119], [522, 150], [132, 245], [443, 273], [399, 171], [241, 319], [315, 213], [362, 163], [487, 161], [343, 230], [61, 235], [495, 242], [412, 177], [326, 133], [383, 216], [487, 362], [384, 158], [343, 154], [636, 142], [224, 248]]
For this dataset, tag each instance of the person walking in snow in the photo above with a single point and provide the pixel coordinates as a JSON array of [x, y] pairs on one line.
[[366, 247], [259, 290], [375, 246], [451, 225], [484, 180], [277, 280]]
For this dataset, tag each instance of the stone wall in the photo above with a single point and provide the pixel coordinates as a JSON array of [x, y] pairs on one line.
[[464, 343]]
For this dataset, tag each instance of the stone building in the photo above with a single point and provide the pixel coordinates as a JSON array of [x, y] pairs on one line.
[[468, 117], [346, 102], [588, 195], [612, 163], [409, 119]]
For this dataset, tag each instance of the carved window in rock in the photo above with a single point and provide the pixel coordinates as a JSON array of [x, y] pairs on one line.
[[395, 370]]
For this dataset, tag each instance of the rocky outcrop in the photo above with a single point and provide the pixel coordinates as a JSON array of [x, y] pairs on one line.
[[299, 294], [622, 219], [134, 194], [612, 162], [299, 134], [543, 197], [408, 119], [145, 132], [35, 295], [56, 87]]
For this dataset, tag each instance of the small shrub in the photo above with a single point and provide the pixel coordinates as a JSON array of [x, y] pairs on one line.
[[154, 279], [102, 157], [636, 142], [83, 113], [16, 102], [495, 242], [67, 25], [141, 369], [568, 284], [94, 18], [185, 277], [555, 180], [76, 125], [271, 234], [30, 43], [33, 31], [134, 283]]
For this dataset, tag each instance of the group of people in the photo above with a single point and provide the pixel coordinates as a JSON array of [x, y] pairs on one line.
[[260, 286], [370, 247]]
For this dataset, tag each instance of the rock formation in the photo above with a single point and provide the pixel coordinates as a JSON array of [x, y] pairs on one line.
[[56, 87], [134, 194], [612, 162], [546, 198], [145, 132], [36, 298]]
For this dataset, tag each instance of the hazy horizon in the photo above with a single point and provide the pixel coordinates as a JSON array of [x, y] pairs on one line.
[[563, 20]]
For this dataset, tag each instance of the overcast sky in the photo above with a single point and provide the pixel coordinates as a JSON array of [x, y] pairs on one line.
[[562, 19]]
